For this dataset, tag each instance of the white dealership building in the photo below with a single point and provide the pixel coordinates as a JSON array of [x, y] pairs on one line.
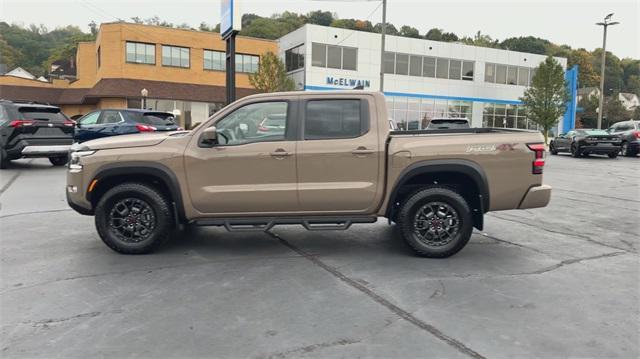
[[423, 79]]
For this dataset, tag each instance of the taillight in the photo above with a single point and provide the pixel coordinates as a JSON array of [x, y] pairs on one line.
[[69, 123], [538, 161], [145, 128], [21, 123], [636, 134]]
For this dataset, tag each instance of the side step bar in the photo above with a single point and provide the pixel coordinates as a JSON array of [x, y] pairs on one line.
[[261, 224]]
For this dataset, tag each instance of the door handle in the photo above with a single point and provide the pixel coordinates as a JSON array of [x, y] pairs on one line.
[[362, 151], [280, 152]]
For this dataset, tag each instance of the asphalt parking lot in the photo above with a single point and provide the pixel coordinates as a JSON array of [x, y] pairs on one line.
[[562, 281]]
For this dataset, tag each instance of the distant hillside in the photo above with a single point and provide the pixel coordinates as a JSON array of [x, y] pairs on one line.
[[35, 47]]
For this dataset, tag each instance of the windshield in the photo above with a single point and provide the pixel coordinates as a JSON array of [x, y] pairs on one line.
[[446, 124]]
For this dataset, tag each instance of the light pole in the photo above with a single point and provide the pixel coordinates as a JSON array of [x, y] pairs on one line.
[[383, 31], [606, 23], [144, 92]]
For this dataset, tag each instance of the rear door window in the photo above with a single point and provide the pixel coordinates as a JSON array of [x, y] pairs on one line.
[[110, 117], [42, 114], [4, 116], [330, 119], [90, 119]]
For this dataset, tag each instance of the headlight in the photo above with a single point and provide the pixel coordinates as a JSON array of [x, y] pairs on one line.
[[74, 162]]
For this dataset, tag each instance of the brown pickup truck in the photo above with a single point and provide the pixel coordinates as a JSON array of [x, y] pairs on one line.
[[324, 160]]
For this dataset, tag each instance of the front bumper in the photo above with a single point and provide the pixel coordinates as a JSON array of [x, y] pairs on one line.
[[75, 192], [33, 151], [599, 148], [536, 197]]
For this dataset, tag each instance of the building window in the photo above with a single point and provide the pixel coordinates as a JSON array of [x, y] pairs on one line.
[[429, 67], [294, 58], [389, 62], [98, 56], [415, 65], [349, 58], [141, 53], [414, 114], [512, 75], [455, 68], [402, 64], [335, 57], [507, 116], [501, 74], [319, 55], [507, 74], [175, 56], [247, 63], [442, 68], [214, 60], [467, 70], [490, 72]]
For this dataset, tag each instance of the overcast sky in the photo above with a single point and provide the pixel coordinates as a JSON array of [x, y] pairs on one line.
[[568, 22]]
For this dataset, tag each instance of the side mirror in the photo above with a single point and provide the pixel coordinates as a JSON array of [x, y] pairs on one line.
[[210, 136]]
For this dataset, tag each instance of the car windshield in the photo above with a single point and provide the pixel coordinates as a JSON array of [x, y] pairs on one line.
[[446, 124], [42, 114]]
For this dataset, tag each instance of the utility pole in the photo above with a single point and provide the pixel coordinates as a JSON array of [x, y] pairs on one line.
[[606, 23], [383, 32]]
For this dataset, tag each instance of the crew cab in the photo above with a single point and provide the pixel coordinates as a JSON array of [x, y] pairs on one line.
[[336, 163]]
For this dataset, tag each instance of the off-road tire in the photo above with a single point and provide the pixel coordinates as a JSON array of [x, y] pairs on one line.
[[626, 151], [575, 151], [4, 162], [159, 205], [407, 217], [59, 160]]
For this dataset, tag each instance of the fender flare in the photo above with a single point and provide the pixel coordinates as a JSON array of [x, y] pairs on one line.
[[132, 168], [464, 167]]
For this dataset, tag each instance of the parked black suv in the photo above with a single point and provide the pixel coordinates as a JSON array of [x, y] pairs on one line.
[[629, 132], [29, 129]]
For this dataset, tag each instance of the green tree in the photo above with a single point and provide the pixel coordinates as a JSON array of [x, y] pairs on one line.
[[320, 17], [631, 75], [587, 75], [613, 72], [530, 44], [344, 23], [480, 39], [636, 114], [614, 111], [546, 98], [589, 113], [408, 31], [389, 30], [271, 75]]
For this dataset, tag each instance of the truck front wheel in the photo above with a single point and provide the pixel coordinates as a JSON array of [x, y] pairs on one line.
[[436, 222], [133, 218]]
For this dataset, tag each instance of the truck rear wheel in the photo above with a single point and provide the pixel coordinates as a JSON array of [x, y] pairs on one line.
[[133, 218], [436, 222]]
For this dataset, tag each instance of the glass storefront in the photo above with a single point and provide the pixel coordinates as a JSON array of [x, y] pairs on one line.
[[505, 115], [412, 113]]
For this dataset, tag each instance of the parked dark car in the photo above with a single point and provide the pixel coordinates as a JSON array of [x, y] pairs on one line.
[[115, 122], [29, 129], [629, 133], [583, 142]]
